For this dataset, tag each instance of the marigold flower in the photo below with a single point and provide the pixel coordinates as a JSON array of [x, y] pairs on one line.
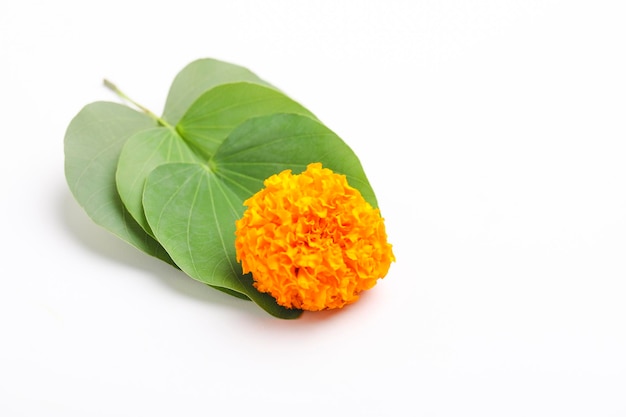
[[311, 240]]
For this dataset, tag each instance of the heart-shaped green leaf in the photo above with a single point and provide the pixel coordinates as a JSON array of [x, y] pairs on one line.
[[196, 78], [264, 146], [194, 214], [216, 112], [192, 207], [142, 153], [93, 141]]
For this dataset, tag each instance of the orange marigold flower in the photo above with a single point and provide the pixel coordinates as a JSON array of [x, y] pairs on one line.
[[311, 240]]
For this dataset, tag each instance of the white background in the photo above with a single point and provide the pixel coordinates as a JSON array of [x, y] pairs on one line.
[[494, 135]]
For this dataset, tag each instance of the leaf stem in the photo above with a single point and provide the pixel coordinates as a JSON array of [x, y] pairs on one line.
[[147, 111]]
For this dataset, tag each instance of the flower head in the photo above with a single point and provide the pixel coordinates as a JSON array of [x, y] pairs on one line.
[[311, 240]]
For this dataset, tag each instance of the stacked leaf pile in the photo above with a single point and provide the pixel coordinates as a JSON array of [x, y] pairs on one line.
[[174, 185]]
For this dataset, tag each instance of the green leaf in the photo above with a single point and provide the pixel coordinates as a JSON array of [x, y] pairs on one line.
[[192, 208], [198, 77], [143, 152], [194, 217], [216, 112], [93, 141], [200, 132], [267, 145]]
